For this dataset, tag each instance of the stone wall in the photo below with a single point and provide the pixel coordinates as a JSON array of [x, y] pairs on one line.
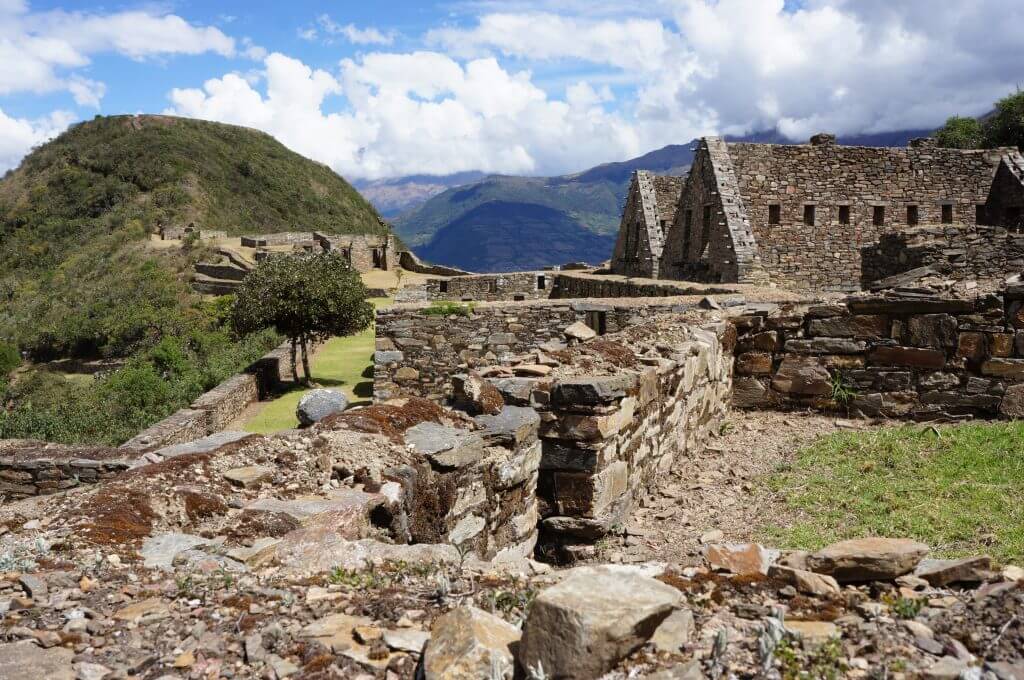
[[418, 352], [902, 355], [33, 468], [986, 255], [284, 238], [364, 252], [490, 287], [826, 255], [411, 263]]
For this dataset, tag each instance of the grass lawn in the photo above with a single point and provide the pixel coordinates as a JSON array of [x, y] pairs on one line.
[[959, 489], [341, 363]]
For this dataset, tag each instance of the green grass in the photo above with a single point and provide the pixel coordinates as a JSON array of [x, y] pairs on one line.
[[340, 364], [958, 489]]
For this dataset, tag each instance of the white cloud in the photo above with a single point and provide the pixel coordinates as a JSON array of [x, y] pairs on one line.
[[43, 51], [350, 32], [418, 112], [19, 135]]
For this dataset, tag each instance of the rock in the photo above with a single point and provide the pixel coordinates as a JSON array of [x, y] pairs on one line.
[[512, 425], [580, 331], [749, 392], [26, 661], [406, 374], [691, 670], [476, 395], [204, 445], [316, 551], [467, 644], [741, 559], [813, 631], [318, 404], [868, 559], [158, 552], [282, 668], [152, 609], [946, 668], [531, 370], [407, 640], [583, 626], [941, 573], [712, 536], [1007, 671], [674, 632], [802, 376], [806, 582], [90, 671], [1013, 573], [34, 587], [1012, 405], [337, 633], [446, 447], [249, 476]]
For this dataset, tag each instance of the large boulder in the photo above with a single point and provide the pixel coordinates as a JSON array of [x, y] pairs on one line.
[[468, 643], [868, 559], [596, 616], [318, 404]]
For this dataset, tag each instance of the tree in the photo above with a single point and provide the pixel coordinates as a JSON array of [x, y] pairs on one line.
[[961, 133], [307, 299], [1005, 127]]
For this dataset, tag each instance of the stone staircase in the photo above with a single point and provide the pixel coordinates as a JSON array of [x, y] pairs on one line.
[[222, 278]]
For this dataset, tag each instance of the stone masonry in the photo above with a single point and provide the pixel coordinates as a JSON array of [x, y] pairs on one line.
[[650, 209]]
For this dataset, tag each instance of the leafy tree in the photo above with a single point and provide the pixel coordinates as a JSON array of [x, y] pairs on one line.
[[961, 133], [1005, 127], [306, 299]]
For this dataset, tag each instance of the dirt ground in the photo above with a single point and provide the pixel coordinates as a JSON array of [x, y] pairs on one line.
[[720, 488]]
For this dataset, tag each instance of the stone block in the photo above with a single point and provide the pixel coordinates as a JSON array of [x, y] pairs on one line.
[[749, 392], [446, 447], [972, 346], [803, 377], [826, 346], [1001, 344], [467, 644], [754, 363], [593, 391], [931, 330], [1012, 405], [586, 495], [861, 326], [912, 357], [1004, 368]]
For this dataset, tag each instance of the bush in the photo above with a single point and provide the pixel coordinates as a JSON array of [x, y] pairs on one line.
[[10, 358]]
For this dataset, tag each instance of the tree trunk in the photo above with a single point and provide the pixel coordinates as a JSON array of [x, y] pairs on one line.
[[305, 358], [295, 364]]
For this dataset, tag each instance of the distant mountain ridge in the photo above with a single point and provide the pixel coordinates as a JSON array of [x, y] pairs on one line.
[[392, 197], [456, 220]]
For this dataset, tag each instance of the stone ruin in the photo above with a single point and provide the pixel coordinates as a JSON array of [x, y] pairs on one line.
[[812, 216]]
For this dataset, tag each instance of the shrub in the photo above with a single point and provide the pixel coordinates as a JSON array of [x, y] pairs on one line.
[[10, 359]]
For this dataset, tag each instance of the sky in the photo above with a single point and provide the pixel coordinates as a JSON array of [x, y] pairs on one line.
[[384, 89]]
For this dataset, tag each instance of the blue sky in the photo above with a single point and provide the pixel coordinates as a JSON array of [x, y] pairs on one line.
[[518, 86]]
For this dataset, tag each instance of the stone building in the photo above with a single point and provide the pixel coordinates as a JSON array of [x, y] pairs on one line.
[[364, 252], [807, 216], [650, 211]]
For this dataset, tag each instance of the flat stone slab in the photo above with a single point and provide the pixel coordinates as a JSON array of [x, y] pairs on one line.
[[512, 425], [204, 445], [28, 661], [941, 573], [868, 559], [250, 475], [468, 643], [445, 446], [158, 552]]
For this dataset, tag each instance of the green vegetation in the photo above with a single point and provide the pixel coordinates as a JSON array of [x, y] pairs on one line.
[[79, 279], [10, 359], [341, 363], [305, 299], [1004, 127], [957, 489], [441, 308]]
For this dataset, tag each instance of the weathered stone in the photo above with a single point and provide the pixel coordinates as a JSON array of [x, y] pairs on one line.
[[914, 357], [590, 428], [812, 631], [674, 632], [972, 346], [754, 363], [583, 626], [27, 661], [337, 633], [250, 475], [931, 330], [476, 395], [580, 331], [511, 426], [467, 644], [946, 668], [407, 640], [941, 573], [826, 346], [34, 587], [868, 559], [742, 559], [749, 392], [307, 551], [446, 447], [1001, 344], [803, 377], [691, 670], [1006, 671], [149, 610], [1004, 368], [861, 326], [406, 374], [593, 391], [806, 582], [532, 370], [318, 404], [939, 381], [158, 552]]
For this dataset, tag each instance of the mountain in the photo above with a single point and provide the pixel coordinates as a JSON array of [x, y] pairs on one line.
[[77, 273], [392, 197], [590, 201]]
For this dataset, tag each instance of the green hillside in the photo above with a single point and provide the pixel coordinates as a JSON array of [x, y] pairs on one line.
[[80, 279]]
